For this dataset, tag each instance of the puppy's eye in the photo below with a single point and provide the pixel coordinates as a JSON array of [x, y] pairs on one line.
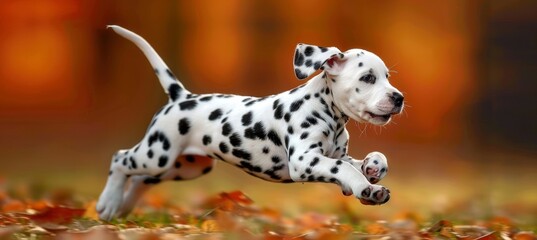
[[368, 78], [383, 170]]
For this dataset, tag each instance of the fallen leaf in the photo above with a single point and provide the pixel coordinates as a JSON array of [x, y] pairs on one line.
[[210, 226], [91, 211], [14, 206], [524, 236], [57, 214], [376, 228]]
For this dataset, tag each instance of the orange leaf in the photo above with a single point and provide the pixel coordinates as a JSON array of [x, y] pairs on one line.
[[14, 206], [58, 214], [524, 236], [210, 226], [237, 197], [376, 229], [91, 212]]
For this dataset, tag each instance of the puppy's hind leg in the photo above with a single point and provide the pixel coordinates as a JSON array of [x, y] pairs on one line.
[[184, 168], [152, 157], [111, 197]]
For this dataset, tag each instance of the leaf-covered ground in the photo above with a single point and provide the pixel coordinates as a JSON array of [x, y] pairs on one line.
[[228, 215]]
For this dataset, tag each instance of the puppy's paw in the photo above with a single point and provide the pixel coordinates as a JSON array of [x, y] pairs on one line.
[[374, 195], [375, 167], [109, 205]]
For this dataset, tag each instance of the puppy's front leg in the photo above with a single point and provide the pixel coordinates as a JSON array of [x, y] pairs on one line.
[[309, 165]]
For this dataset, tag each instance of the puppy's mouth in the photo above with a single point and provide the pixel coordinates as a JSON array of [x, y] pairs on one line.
[[379, 117]]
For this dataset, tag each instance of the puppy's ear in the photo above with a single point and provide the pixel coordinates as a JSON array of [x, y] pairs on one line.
[[310, 58]]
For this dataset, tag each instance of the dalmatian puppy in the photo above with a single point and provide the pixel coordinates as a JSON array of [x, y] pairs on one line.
[[295, 136]]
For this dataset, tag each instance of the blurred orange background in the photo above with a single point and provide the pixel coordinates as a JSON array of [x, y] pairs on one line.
[[72, 92]]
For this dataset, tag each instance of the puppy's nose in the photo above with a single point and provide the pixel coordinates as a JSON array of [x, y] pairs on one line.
[[397, 99]]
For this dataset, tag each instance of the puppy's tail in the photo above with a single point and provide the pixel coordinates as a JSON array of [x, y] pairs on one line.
[[167, 79]]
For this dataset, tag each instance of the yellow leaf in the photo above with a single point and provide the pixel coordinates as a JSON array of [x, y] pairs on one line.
[[91, 213], [210, 226]]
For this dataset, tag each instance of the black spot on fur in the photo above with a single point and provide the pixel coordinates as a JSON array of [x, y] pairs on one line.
[[188, 105], [235, 139], [291, 151], [223, 147], [190, 158], [299, 58], [162, 160], [207, 170], [334, 170], [249, 133], [290, 130], [299, 74], [184, 126], [305, 124], [360, 64], [207, 140], [317, 65], [150, 153], [357, 90], [152, 180], [250, 167], [278, 113], [216, 114], [296, 105], [266, 150], [314, 161], [168, 109], [259, 131], [241, 154], [323, 49], [276, 159], [165, 144], [226, 129], [273, 136], [287, 117], [309, 51], [206, 98], [174, 90], [309, 63], [133, 163], [311, 120], [275, 104], [304, 135], [247, 119], [170, 74], [250, 103]]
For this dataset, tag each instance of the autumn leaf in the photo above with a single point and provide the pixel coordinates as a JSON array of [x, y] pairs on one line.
[[57, 214]]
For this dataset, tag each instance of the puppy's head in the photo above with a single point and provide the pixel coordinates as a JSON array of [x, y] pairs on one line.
[[358, 80]]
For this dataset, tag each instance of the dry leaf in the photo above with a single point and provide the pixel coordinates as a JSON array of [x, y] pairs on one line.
[[57, 214]]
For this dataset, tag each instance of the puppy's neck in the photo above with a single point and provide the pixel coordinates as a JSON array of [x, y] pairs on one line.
[[319, 88]]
